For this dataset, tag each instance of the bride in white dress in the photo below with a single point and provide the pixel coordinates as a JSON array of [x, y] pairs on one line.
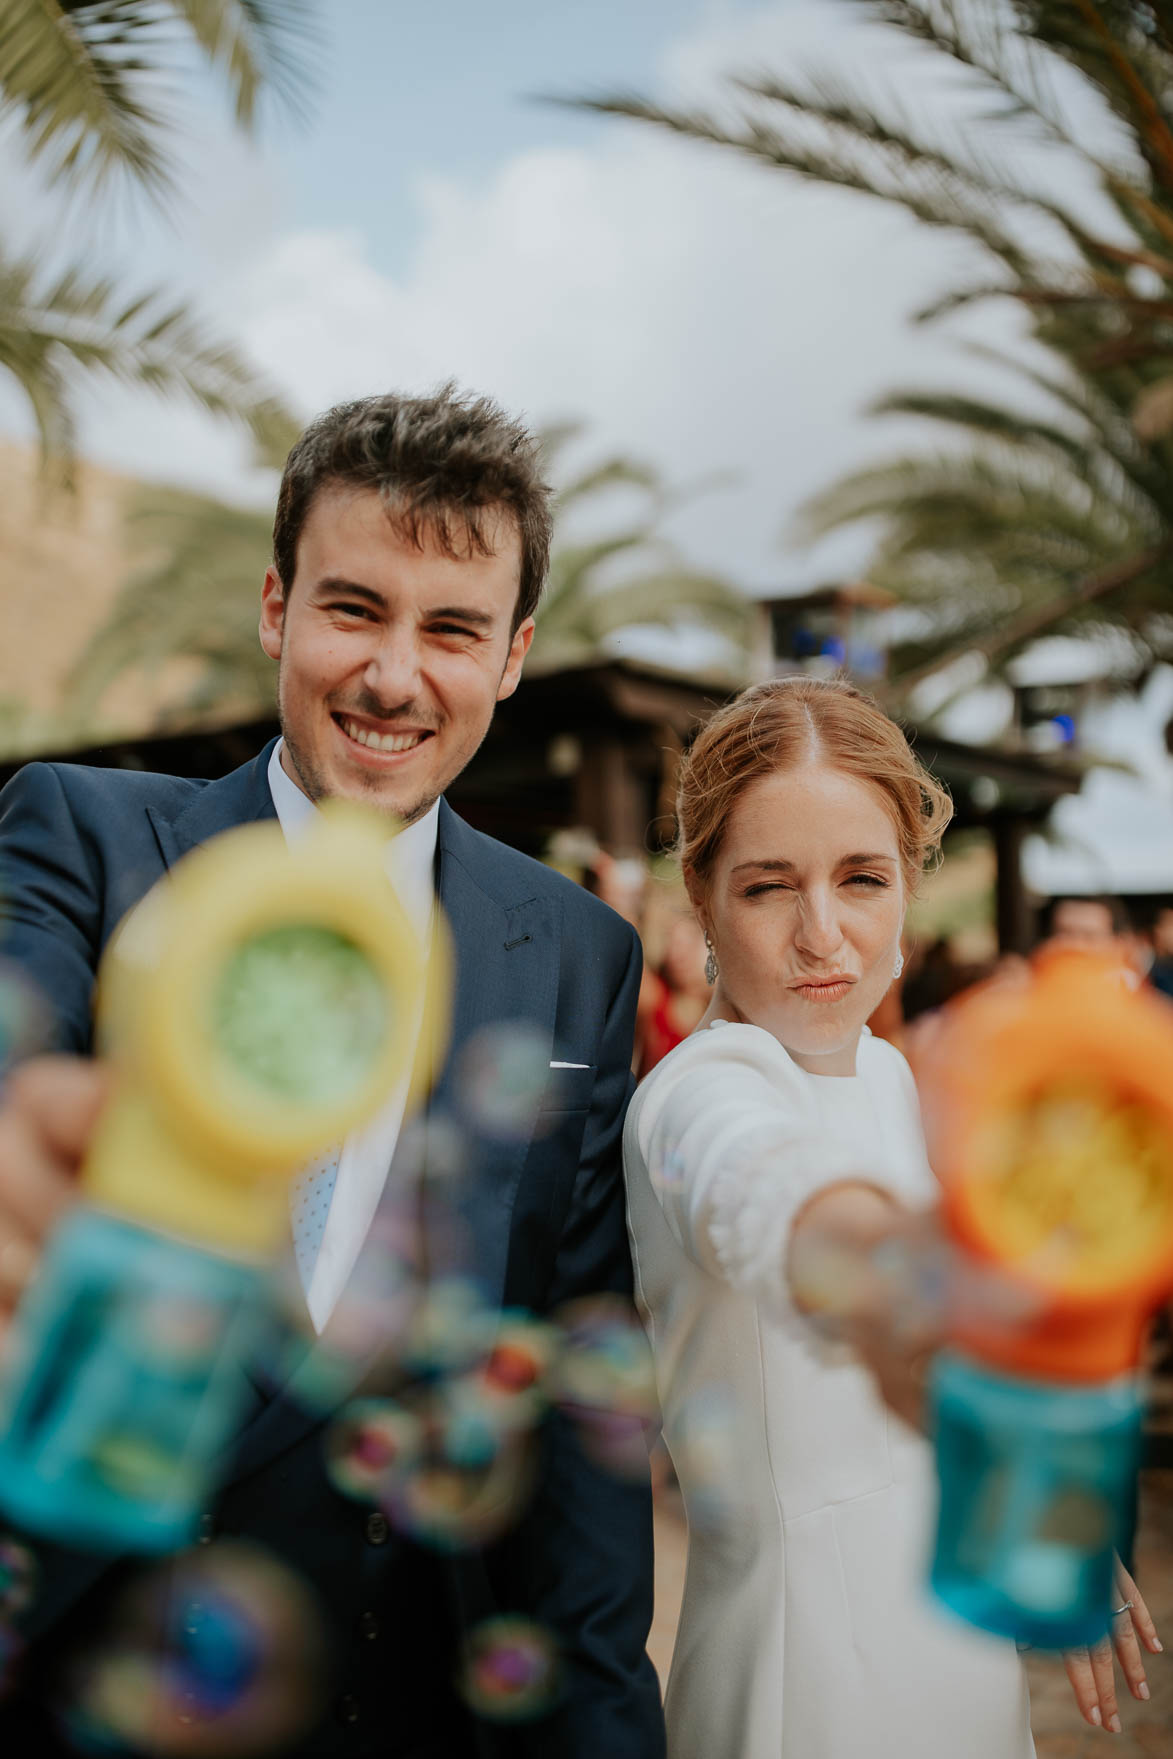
[[806, 1630]]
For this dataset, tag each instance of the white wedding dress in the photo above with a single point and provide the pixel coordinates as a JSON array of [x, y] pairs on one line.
[[806, 1630]]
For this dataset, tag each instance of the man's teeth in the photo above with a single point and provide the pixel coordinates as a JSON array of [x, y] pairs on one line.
[[381, 741]]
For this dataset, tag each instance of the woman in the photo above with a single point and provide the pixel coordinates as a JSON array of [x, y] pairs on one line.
[[805, 1631]]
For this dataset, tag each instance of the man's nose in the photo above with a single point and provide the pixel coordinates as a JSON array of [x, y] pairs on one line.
[[392, 671]]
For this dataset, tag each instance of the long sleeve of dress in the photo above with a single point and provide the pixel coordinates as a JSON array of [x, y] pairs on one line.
[[734, 1149]]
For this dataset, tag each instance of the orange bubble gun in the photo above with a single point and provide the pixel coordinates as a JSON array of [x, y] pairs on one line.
[[1050, 1118]]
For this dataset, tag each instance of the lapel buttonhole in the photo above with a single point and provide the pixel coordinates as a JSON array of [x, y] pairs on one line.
[[519, 942]]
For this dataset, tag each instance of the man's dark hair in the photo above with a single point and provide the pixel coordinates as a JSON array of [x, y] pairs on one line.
[[446, 466], [1117, 911]]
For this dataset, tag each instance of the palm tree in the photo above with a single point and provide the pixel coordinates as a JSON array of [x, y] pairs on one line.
[[195, 596], [630, 575], [77, 79], [1053, 511]]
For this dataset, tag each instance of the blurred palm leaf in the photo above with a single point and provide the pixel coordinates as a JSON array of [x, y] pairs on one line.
[[195, 598], [1053, 510], [85, 77], [586, 601], [85, 82], [51, 335]]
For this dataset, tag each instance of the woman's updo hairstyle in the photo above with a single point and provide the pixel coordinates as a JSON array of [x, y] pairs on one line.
[[782, 725]]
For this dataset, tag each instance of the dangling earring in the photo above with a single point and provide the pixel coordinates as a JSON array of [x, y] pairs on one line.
[[899, 967], [710, 963]]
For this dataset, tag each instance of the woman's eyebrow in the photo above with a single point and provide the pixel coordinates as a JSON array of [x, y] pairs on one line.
[[853, 860], [773, 866]]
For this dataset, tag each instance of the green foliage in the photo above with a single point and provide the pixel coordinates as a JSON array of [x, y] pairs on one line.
[[194, 597], [1050, 510], [628, 577], [85, 83]]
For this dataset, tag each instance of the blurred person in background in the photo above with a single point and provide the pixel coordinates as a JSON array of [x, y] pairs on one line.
[[1161, 970], [410, 548], [1094, 924], [673, 996]]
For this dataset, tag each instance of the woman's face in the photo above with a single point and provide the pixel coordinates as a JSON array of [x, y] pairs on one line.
[[804, 909]]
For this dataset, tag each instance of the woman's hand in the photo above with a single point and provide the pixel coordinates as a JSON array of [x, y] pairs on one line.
[[869, 1269], [1092, 1672]]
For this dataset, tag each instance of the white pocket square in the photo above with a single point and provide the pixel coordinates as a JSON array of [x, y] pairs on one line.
[[570, 1065]]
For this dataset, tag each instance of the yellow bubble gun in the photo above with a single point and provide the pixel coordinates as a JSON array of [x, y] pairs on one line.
[[1050, 1114], [260, 1003]]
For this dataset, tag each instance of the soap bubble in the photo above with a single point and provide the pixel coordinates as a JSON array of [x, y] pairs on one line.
[[371, 1443], [473, 1477], [18, 1577], [705, 1454], [503, 1076], [510, 1671], [217, 1652], [667, 1173], [604, 1380], [451, 1329]]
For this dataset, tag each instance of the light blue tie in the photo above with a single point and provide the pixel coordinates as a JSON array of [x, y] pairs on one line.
[[309, 1203]]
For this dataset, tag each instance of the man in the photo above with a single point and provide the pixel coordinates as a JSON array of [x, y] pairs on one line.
[[410, 546], [1093, 924]]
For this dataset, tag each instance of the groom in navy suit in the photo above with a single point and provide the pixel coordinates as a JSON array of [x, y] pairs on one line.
[[410, 547]]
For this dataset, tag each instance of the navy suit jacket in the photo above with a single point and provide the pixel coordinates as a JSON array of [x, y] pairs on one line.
[[78, 848]]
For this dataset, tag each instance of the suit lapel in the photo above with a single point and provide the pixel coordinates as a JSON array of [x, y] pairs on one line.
[[506, 974], [236, 799]]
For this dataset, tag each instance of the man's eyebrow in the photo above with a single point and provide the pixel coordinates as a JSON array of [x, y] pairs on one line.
[[463, 614], [337, 583], [352, 589]]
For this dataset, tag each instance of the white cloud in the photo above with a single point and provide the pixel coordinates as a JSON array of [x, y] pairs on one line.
[[686, 304]]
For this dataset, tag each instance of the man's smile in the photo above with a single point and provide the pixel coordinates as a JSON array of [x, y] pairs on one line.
[[390, 741]]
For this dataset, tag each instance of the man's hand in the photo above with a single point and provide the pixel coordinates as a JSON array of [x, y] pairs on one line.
[[1092, 1671], [47, 1117]]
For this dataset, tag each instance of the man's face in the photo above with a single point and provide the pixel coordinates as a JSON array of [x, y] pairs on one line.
[[1083, 922], [391, 658]]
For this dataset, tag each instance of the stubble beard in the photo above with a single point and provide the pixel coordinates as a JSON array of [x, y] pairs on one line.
[[314, 786]]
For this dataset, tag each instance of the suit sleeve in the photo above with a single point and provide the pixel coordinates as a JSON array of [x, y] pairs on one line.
[[50, 912], [581, 1560]]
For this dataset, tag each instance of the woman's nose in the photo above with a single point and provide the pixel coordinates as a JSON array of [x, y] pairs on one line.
[[818, 931]]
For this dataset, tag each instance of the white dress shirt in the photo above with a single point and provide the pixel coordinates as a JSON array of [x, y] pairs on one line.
[[366, 1153]]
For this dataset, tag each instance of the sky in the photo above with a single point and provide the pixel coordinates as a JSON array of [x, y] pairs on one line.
[[430, 216]]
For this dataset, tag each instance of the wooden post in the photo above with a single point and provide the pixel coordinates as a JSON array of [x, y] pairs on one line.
[[1013, 914]]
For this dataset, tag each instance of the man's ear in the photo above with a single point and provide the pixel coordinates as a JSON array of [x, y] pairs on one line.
[[518, 648], [272, 624]]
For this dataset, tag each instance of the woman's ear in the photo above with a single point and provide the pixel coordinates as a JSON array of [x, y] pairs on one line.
[[696, 896]]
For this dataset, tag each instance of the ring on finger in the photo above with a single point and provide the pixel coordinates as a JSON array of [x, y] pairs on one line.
[[1125, 1606]]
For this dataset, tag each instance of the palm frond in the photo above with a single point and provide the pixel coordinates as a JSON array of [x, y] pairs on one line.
[[87, 79], [193, 597], [51, 334]]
